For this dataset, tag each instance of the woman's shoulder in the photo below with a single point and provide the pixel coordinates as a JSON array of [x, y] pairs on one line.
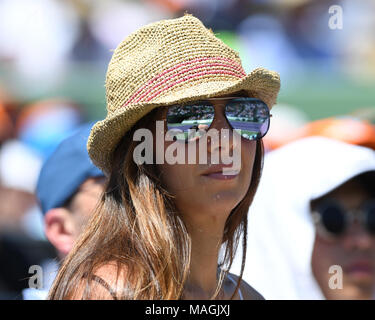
[[104, 283], [246, 290]]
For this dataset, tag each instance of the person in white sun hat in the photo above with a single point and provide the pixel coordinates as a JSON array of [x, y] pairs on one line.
[[311, 228]]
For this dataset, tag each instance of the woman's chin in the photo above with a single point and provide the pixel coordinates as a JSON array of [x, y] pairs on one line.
[[224, 201]]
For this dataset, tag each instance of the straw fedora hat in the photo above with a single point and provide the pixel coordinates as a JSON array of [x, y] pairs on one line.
[[168, 62]]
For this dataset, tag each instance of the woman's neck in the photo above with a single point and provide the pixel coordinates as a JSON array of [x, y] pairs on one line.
[[202, 280]]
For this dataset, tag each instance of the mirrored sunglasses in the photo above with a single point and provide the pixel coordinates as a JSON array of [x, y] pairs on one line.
[[249, 117]]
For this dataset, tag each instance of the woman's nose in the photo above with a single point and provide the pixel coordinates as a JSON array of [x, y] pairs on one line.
[[222, 138], [358, 238]]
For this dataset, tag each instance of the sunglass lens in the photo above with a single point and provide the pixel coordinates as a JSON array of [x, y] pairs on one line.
[[188, 122], [248, 116], [333, 219]]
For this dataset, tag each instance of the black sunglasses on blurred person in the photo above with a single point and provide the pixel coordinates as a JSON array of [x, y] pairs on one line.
[[333, 219]]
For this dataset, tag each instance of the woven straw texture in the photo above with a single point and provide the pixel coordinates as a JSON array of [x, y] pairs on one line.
[[168, 62]]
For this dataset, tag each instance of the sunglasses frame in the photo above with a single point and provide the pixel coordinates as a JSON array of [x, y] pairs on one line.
[[225, 105], [350, 217]]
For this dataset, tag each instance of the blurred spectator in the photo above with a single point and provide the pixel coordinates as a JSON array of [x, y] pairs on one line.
[[39, 127], [6, 125], [357, 41], [287, 257], [345, 238], [69, 187], [345, 128], [8, 113], [173, 6], [36, 36], [310, 34], [267, 44], [22, 241], [19, 170], [111, 21], [44, 124], [18, 252], [218, 15]]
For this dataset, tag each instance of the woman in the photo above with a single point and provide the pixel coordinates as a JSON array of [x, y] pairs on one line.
[[318, 231], [159, 227]]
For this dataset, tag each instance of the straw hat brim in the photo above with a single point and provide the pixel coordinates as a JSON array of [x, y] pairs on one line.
[[106, 134]]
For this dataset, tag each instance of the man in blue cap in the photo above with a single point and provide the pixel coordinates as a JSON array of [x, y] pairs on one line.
[[68, 189]]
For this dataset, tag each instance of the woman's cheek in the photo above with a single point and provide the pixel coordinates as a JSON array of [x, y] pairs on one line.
[[176, 178], [248, 150]]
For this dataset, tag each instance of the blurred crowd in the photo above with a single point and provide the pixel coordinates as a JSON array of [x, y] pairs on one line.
[[28, 136], [42, 40], [45, 40]]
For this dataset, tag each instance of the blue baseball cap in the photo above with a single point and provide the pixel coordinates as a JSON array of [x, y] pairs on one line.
[[65, 170]]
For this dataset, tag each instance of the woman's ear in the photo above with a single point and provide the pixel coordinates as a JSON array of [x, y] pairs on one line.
[[60, 229]]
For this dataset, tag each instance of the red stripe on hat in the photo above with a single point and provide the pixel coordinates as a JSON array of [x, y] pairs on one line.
[[217, 71], [236, 70], [195, 75]]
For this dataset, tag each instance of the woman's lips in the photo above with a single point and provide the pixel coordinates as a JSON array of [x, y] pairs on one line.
[[226, 175], [364, 267], [221, 172], [220, 176]]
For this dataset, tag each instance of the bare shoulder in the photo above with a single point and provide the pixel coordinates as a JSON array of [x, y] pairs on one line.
[[112, 273], [105, 283], [248, 292]]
